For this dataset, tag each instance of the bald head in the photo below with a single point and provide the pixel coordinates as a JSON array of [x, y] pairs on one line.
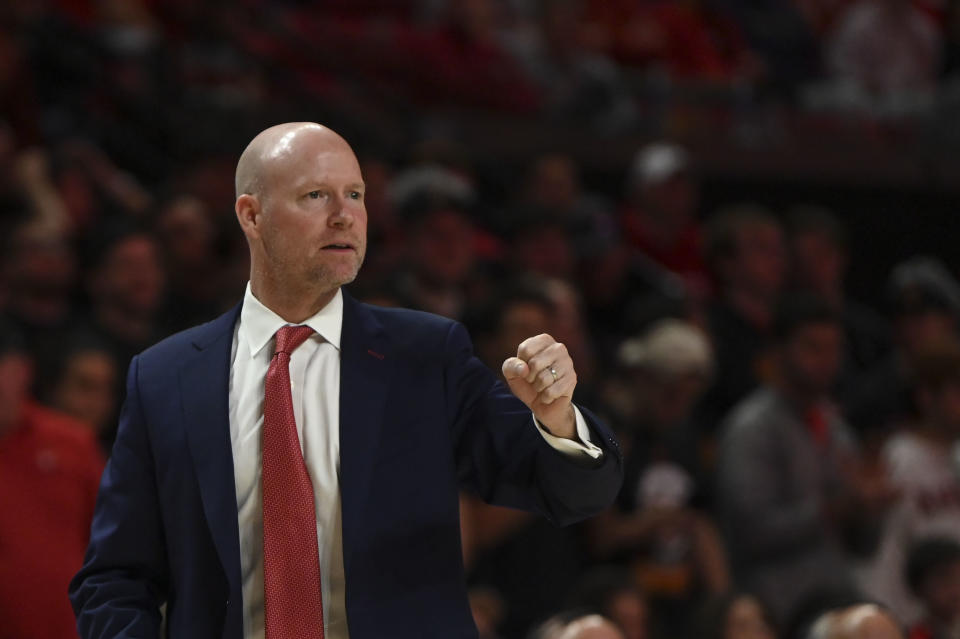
[[862, 621], [591, 627], [275, 148]]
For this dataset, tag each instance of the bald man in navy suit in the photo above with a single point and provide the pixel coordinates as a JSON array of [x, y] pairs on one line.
[[292, 468]]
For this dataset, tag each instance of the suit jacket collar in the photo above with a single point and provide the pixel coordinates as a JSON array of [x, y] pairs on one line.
[[204, 378]]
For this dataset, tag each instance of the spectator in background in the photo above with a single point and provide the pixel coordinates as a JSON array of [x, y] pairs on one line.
[[522, 308], [734, 616], [188, 238], [574, 82], [925, 302], [94, 189], [531, 563], [609, 591], [694, 40], [884, 52], [438, 273], [553, 187], [922, 464], [86, 386], [659, 216], [783, 39], [747, 257], [541, 245], [933, 573], [38, 274], [126, 283], [819, 256], [49, 472], [657, 269], [672, 548], [786, 464], [859, 621]]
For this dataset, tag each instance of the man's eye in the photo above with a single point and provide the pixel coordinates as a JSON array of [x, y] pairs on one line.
[[314, 195], [356, 195]]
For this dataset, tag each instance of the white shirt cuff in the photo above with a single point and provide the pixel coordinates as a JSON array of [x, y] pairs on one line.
[[568, 446]]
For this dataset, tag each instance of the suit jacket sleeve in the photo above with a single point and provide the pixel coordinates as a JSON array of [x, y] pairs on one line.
[[501, 456], [118, 591]]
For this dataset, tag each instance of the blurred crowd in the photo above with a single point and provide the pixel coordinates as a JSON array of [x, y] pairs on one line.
[[791, 463]]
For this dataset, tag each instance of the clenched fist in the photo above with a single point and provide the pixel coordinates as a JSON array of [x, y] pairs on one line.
[[542, 377]]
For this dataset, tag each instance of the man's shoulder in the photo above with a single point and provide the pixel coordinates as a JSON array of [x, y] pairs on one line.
[[410, 321]]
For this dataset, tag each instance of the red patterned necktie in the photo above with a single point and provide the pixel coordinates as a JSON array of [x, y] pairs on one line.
[[293, 605]]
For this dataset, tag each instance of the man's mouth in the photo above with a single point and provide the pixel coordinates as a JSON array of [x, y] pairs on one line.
[[338, 247]]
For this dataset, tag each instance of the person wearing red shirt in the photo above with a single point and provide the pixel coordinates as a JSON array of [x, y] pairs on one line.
[[50, 469]]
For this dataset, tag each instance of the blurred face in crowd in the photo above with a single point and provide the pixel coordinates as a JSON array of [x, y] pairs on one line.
[[818, 263], [940, 407], [940, 592], [441, 247], [39, 274], [186, 232], [519, 321], [130, 277], [15, 379], [760, 263], [545, 251], [301, 205], [746, 620], [919, 328], [810, 358], [669, 398], [671, 202], [554, 182], [86, 388]]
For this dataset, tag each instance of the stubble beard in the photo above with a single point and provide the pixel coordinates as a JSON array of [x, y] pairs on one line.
[[331, 277]]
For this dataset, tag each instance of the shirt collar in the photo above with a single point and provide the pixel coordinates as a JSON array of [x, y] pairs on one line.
[[258, 324]]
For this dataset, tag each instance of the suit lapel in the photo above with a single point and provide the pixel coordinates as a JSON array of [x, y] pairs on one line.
[[365, 366], [204, 387]]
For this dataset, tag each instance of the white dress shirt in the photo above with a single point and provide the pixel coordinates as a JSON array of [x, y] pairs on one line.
[[314, 365]]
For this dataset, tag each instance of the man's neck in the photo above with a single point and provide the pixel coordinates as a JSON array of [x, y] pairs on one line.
[[293, 306]]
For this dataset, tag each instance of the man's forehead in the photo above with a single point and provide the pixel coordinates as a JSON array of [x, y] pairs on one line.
[[318, 165], [299, 156]]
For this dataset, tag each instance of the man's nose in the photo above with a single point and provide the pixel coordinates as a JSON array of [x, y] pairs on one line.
[[340, 216]]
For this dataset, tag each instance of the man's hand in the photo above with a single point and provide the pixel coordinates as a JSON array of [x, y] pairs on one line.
[[542, 377]]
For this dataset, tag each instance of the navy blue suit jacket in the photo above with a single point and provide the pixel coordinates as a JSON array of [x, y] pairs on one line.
[[420, 417]]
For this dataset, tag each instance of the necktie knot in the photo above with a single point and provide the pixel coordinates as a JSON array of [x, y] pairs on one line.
[[291, 337]]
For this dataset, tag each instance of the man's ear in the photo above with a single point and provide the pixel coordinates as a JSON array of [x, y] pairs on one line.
[[248, 211]]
